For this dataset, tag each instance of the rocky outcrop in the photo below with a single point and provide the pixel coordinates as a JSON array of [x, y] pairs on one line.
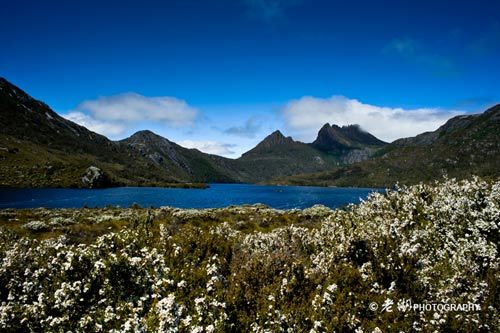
[[95, 178], [357, 155]]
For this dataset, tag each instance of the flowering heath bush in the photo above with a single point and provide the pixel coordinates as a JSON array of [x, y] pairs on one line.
[[255, 269]]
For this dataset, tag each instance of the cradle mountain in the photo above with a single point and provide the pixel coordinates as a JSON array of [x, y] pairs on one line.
[[39, 148]]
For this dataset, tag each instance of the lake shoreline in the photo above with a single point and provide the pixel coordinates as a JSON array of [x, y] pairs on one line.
[[152, 185], [215, 196]]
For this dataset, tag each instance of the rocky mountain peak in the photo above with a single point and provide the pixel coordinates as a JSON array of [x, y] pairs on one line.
[[276, 138], [335, 139], [148, 138], [145, 136]]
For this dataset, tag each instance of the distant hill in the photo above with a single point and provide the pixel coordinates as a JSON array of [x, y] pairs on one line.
[[463, 146], [186, 163]]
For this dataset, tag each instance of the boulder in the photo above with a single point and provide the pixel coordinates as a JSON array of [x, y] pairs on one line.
[[95, 178]]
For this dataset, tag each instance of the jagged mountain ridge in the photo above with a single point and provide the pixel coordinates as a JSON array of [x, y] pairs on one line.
[[336, 140], [279, 155], [464, 146]]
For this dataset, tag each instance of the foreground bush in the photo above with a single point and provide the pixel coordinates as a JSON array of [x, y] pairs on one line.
[[421, 244]]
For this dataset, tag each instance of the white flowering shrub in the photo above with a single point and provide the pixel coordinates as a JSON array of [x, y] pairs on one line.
[[36, 226], [256, 269]]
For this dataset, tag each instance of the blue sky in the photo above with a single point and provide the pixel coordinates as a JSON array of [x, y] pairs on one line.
[[221, 74]]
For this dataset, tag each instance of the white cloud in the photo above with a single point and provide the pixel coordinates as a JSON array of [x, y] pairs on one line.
[[306, 115], [115, 115], [98, 126], [209, 147], [132, 107]]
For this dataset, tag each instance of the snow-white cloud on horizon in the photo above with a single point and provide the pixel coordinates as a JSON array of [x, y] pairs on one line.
[[116, 115], [102, 127], [305, 116], [209, 146], [130, 107]]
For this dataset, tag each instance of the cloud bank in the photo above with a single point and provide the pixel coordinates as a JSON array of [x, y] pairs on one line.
[[208, 146], [134, 107], [306, 115], [117, 115], [101, 127], [112, 115]]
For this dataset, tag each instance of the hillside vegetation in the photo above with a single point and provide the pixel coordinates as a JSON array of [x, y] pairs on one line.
[[256, 269]]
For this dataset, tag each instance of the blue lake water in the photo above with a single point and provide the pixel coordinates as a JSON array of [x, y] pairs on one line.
[[218, 195]]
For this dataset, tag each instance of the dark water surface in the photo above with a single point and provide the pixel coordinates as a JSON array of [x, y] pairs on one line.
[[218, 195]]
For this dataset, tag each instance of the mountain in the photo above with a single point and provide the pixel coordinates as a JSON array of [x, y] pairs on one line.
[[350, 143], [40, 148], [28, 119], [270, 142], [463, 146], [184, 163], [279, 155], [335, 139]]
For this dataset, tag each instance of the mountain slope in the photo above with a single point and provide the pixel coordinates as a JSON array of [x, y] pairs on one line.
[[280, 155], [28, 119], [463, 146], [185, 163], [350, 143], [335, 139], [40, 148]]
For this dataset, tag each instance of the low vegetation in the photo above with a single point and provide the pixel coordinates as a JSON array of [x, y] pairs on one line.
[[252, 268]]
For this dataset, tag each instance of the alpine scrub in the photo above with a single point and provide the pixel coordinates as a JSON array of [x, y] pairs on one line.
[[252, 268]]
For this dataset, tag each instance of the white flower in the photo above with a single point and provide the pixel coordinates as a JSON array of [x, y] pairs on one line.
[[332, 288]]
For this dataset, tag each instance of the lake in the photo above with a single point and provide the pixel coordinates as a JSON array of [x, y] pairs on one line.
[[217, 195]]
